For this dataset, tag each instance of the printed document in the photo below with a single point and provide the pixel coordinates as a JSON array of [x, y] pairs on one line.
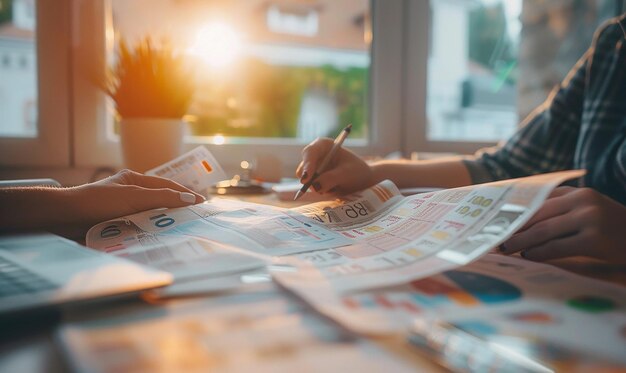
[[370, 239]]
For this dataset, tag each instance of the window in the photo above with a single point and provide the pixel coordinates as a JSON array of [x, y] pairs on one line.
[[34, 83], [472, 70], [383, 67], [291, 71], [468, 92], [275, 69], [18, 80]]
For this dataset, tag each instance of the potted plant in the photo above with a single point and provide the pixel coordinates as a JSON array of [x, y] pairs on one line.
[[152, 89]]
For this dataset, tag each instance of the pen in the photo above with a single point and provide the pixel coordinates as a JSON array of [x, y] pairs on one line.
[[322, 167]]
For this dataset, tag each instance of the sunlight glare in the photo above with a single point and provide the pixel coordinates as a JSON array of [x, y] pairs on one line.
[[218, 44], [218, 140]]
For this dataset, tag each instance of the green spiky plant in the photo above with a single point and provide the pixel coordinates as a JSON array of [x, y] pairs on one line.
[[150, 82]]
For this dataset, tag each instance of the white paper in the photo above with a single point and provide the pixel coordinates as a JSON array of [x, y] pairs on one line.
[[356, 209], [257, 228], [373, 238], [206, 247], [197, 170], [424, 234], [536, 300]]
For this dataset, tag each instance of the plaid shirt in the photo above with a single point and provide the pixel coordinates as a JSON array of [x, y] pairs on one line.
[[582, 125]]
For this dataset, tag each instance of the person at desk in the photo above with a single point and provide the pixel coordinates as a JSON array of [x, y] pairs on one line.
[[72, 211], [582, 125]]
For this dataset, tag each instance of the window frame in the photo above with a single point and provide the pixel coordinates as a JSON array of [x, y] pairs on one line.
[[72, 117], [52, 144], [94, 147], [418, 42]]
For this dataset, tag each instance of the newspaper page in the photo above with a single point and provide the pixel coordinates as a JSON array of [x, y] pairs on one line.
[[261, 229], [424, 234], [495, 295], [419, 237], [224, 237], [355, 210], [373, 238]]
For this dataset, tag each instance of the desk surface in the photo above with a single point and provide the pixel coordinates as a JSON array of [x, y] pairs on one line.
[[38, 350], [35, 350]]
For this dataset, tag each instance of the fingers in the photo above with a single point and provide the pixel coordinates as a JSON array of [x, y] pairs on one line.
[[329, 180], [312, 156], [299, 170], [541, 233], [560, 202], [556, 249], [154, 182], [129, 177], [142, 199], [562, 190], [572, 222]]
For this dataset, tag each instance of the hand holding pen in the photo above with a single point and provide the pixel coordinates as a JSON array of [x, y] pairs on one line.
[[329, 156], [337, 171]]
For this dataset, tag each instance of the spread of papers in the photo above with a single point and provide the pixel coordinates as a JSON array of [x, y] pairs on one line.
[[533, 312], [416, 236], [377, 261], [373, 238], [494, 294]]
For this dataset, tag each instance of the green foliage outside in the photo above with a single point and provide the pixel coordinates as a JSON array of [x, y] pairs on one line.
[[261, 100], [6, 11], [489, 42]]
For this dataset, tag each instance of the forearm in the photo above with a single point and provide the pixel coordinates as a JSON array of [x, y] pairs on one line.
[[446, 173], [37, 209]]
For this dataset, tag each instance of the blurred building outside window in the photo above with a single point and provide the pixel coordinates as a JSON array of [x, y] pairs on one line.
[[481, 49], [293, 22], [18, 70]]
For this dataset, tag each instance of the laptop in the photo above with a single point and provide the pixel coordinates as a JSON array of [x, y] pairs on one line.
[[42, 270]]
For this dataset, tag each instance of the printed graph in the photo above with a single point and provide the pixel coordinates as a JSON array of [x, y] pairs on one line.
[[460, 288]]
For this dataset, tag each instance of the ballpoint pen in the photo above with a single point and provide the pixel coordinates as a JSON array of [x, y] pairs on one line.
[[322, 167]]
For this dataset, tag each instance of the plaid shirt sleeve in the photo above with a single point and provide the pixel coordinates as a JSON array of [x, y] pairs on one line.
[[617, 176], [619, 170], [547, 138]]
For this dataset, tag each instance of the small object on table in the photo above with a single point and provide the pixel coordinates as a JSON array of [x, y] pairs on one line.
[[239, 184]]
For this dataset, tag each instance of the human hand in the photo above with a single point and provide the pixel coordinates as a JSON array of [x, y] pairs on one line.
[[124, 193], [346, 172], [573, 222]]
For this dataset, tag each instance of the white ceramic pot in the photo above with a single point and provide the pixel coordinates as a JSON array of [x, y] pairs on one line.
[[149, 142]]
